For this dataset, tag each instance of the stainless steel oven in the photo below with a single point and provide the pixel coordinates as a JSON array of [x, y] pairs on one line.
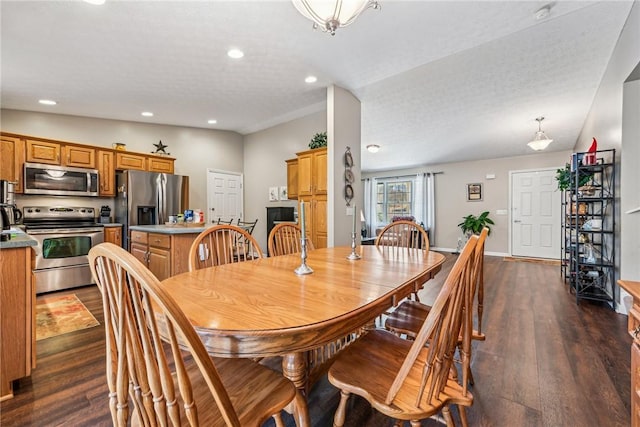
[[64, 235]]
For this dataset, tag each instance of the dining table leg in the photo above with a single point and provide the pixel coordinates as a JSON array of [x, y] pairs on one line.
[[294, 367]]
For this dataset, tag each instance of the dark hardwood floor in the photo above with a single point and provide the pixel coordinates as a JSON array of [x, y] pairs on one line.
[[546, 362]]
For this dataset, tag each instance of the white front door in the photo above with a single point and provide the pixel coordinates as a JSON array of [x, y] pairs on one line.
[[535, 214], [224, 196]]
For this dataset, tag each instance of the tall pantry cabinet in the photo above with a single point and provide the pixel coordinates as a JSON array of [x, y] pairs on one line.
[[312, 190]]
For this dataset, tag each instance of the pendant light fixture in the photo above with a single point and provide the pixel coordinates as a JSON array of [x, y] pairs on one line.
[[329, 15], [540, 139]]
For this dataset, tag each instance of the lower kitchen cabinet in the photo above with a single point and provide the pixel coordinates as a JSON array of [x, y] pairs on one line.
[[633, 325], [113, 235], [164, 254], [17, 317]]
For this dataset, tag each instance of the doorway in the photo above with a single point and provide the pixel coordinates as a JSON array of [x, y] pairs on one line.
[[535, 214], [224, 196]]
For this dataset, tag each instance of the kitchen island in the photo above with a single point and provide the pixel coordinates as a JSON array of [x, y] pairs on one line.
[[17, 309], [164, 249]]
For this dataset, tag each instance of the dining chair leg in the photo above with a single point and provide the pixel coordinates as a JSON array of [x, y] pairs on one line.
[[341, 412], [463, 416], [446, 413], [415, 423], [301, 411], [278, 419]]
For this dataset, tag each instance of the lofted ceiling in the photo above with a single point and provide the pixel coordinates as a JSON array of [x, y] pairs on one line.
[[438, 81]]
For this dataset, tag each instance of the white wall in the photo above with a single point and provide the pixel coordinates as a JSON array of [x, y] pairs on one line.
[[343, 130], [195, 149], [614, 128], [265, 153], [450, 194]]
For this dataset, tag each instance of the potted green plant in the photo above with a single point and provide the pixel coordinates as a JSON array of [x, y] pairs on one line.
[[472, 224], [564, 176], [319, 140]]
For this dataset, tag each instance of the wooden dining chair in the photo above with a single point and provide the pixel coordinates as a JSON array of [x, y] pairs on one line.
[[158, 370], [409, 316], [404, 234], [284, 239], [247, 225], [408, 380], [222, 244]]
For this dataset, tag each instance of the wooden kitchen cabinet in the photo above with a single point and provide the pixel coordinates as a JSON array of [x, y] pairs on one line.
[[79, 157], [292, 179], [17, 317], [106, 173], [312, 188], [43, 152], [12, 161], [113, 235], [633, 326], [164, 254], [157, 164], [130, 161], [54, 153]]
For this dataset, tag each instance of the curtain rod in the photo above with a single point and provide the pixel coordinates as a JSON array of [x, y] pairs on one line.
[[406, 176]]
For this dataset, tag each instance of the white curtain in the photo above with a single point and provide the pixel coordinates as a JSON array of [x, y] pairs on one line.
[[370, 206], [424, 203]]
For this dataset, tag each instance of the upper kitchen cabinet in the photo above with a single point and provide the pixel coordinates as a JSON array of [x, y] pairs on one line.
[[130, 161], [312, 172], [12, 160], [43, 152], [292, 179], [80, 157], [159, 164], [107, 173], [54, 153]]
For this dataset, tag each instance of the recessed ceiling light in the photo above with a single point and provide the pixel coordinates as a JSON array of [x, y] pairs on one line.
[[311, 79], [96, 2], [212, 122], [373, 148], [543, 12], [235, 53], [47, 102], [147, 113]]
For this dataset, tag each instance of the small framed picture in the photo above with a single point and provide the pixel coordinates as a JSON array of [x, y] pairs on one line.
[[474, 192], [283, 193], [273, 194]]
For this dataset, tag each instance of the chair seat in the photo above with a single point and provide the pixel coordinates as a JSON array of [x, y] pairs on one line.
[[409, 316], [269, 390], [369, 366]]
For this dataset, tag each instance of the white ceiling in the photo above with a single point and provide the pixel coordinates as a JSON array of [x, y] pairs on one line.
[[438, 81]]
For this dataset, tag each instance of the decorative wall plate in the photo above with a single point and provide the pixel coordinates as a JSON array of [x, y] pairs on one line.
[[348, 193], [348, 159], [348, 176]]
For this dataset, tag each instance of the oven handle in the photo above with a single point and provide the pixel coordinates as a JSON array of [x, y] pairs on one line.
[[66, 231]]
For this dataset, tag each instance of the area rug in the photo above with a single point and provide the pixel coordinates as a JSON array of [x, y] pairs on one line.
[[60, 315]]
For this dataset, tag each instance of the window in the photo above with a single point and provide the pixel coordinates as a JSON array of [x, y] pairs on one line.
[[393, 198]]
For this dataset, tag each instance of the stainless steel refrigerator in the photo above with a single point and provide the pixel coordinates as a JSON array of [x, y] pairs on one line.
[[148, 198]]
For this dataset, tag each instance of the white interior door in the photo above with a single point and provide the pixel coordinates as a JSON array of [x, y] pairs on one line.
[[224, 196], [535, 214]]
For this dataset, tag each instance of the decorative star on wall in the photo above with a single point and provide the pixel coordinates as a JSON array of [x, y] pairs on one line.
[[160, 148]]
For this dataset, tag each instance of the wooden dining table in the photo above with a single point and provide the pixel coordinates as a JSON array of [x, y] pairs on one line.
[[261, 308]]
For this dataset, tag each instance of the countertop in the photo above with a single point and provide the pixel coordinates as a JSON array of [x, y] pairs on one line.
[[19, 239], [112, 224], [170, 229]]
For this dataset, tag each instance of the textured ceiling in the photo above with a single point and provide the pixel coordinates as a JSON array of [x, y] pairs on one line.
[[438, 81]]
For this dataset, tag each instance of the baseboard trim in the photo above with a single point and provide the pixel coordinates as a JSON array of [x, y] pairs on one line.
[[534, 260]]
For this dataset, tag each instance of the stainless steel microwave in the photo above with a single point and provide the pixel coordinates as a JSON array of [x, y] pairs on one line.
[[59, 180]]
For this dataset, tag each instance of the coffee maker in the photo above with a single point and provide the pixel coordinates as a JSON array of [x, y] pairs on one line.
[[8, 202]]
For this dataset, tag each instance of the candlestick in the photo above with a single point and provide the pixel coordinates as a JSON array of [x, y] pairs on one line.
[[353, 227], [303, 268], [353, 255]]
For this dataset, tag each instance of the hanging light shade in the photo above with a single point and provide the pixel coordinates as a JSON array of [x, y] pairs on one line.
[[329, 15], [540, 139]]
